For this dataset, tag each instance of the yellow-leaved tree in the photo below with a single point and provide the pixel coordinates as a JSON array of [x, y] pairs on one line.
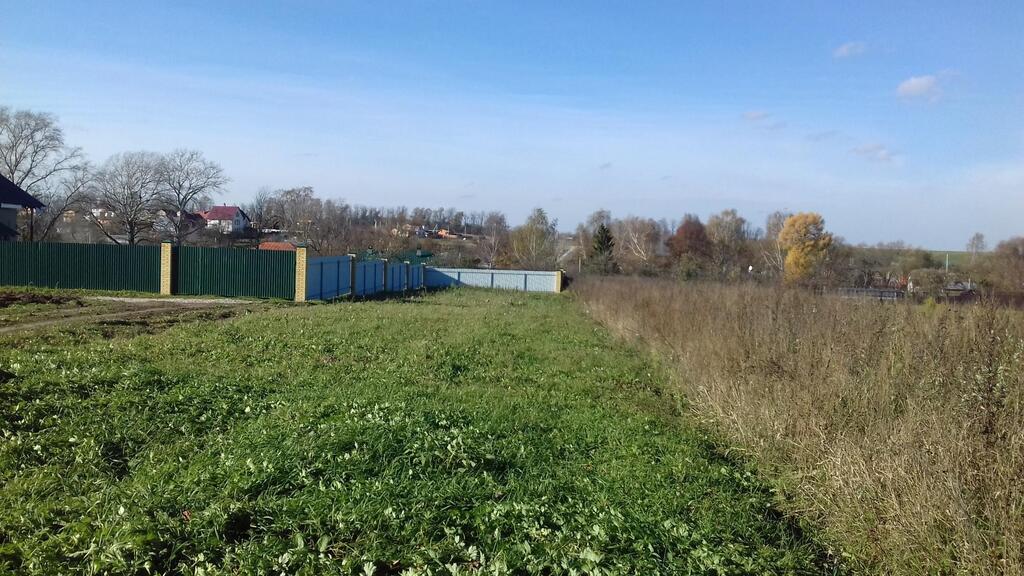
[[807, 244]]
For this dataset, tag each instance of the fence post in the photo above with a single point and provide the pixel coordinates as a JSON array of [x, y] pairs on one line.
[[320, 289], [352, 275], [558, 281], [337, 280], [385, 261], [408, 280], [166, 265], [300, 273]]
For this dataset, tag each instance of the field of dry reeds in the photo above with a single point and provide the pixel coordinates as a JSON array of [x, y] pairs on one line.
[[897, 428]]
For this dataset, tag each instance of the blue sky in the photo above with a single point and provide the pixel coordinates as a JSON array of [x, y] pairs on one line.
[[895, 122]]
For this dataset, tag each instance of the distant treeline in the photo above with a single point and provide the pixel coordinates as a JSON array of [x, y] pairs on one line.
[[137, 196], [794, 248]]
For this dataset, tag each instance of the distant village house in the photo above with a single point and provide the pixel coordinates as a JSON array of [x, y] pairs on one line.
[[226, 219]]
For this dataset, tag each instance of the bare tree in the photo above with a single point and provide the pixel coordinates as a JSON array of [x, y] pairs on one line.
[[127, 193], [772, 252], [594, 221], [492, 246], [327, 234], [475, 222], [637, 241], [34, 156], [534, 243], [729, 234], [976, 245], [325, 226], [187, 179], [70, 194], [260, 212], [296, 209]]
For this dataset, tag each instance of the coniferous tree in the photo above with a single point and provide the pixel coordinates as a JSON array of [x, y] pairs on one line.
[[601, 258]]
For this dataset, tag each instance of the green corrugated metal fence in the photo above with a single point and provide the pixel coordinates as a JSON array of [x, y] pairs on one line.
[[89, 266], [235, 272]]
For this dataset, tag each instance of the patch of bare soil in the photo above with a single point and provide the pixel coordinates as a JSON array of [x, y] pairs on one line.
[[12, 298], [157, 320], [156, 316]]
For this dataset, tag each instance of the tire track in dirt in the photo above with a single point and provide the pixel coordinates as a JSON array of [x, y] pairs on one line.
[[135, 312]]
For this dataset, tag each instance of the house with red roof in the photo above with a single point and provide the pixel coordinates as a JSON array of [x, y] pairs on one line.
[[226, 219]]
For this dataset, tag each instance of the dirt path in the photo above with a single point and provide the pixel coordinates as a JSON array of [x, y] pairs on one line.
[[182, 301], [136, 308]]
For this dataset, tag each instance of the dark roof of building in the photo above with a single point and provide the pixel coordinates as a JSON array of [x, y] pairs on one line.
[[6, 232], [11, 194], [194, 217], [222, 213]]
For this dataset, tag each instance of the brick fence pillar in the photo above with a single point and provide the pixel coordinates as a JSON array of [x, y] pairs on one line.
[[166, 267], [300, 274]]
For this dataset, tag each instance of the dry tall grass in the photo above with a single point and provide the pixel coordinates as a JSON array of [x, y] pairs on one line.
[[898, 428]]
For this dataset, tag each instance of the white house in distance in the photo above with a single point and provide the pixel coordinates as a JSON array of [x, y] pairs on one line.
[[227, 219]]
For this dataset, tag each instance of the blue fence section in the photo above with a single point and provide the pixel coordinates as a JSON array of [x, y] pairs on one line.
[[525, 280], [328, 277], [369, 277], [397, 276], [416, 276], [332, 277]]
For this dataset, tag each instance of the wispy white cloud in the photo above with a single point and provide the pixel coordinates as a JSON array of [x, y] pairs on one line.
[[763, 120], [850, 49], [876, 153], [927, 86]]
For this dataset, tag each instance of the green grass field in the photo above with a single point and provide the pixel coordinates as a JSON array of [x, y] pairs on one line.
[[958, 260], [457, 433]]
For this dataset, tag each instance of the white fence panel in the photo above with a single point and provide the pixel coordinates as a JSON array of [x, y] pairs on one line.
[[525, 280]]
